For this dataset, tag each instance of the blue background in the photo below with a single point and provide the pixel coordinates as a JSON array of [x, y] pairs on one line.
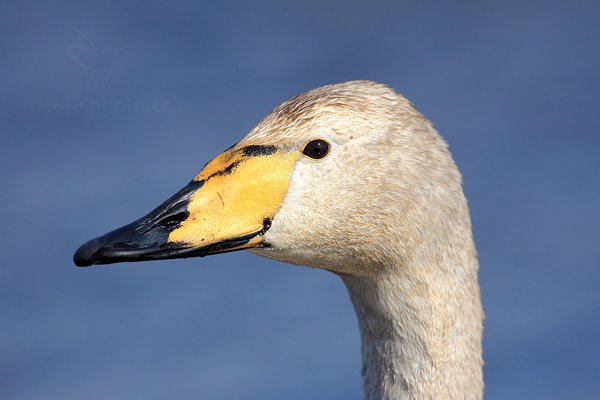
[[109, 107]]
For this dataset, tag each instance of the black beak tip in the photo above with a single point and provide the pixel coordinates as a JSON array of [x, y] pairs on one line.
[[84, 256]]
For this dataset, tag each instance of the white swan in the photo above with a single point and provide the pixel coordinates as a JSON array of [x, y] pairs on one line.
[[352, 179]]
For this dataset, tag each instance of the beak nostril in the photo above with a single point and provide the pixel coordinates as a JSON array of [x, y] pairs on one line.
[[125, 245], [173, 221]]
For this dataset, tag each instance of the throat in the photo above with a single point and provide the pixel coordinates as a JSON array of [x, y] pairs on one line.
[[418, 341]]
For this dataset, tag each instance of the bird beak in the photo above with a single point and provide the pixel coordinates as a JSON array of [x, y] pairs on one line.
[[228, 206]]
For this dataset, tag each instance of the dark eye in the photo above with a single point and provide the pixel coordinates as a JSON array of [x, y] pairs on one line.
[[316, 149]]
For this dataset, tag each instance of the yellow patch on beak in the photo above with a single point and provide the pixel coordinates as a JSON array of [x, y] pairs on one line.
[[242, 189]]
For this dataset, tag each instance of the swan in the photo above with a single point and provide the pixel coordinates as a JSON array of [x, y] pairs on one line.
[[349, 178]]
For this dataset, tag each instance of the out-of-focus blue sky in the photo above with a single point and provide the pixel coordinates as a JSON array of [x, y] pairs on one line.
[[109, 107]]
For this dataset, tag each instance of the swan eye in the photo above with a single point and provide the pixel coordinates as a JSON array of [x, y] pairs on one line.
[[316, 149]]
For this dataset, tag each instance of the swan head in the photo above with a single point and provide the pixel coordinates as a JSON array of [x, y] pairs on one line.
[[339, 177]]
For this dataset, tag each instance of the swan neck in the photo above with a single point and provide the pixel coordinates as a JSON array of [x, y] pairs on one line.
[[417, 343]]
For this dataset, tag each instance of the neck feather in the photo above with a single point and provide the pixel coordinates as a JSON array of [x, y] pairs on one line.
[[421, 335]]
